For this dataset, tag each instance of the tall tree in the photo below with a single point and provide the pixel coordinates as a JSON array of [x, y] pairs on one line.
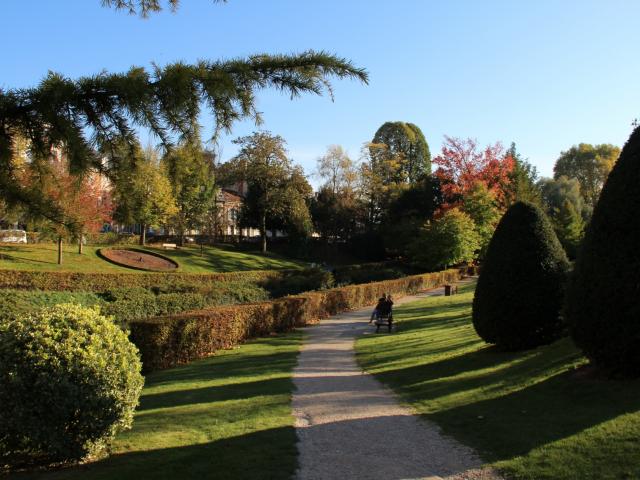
[[461, 164], [567, 209], [569, 226], [405, 143], [407, 213], [590, 165], [338, 170], [142, 191], [334, 207], [277, 190], [523, 180], [190, 171]]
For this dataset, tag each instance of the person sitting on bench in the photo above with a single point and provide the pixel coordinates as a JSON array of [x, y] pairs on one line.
[[380, 305], [388, 310]]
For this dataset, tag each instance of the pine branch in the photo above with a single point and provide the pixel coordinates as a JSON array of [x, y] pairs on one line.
[[144, 7], [94, 113]]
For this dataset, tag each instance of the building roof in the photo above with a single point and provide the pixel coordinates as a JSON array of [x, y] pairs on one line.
[[227, 196]]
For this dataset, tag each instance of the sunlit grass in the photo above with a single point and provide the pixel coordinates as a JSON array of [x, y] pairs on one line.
[[534, 414], [191, 259], [225, 417]]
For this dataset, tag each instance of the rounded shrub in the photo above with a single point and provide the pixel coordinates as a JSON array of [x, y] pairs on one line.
[[603, 297], [69, 381], [521, 286]]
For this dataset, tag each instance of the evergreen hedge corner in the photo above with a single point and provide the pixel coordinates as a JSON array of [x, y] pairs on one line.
[[520, 291], [603, 298]]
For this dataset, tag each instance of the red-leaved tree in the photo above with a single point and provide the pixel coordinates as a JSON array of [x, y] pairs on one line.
[[84, 202], [461, 164]]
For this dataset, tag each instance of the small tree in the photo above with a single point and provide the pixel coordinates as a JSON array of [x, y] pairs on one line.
[[521, 286], [446, 241], [603, 311]]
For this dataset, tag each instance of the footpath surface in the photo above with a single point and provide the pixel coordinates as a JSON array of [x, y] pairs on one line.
[[351, 426]]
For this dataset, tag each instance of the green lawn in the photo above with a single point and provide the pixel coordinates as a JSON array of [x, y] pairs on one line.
[[225, 417], [534, 415], [213, 259]]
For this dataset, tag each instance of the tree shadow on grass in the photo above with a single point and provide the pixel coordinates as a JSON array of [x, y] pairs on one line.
[[266, 454], [505, 404], [233, 363], [218, 393], [510, 425]]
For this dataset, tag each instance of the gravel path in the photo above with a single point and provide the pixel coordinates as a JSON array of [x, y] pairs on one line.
[[350, 426]]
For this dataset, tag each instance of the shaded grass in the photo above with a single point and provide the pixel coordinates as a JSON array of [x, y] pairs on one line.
[[537, 414], [212, 259], [225, 417]]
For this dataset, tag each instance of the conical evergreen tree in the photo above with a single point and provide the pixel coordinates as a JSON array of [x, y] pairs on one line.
[[603, 299], [521, 286]]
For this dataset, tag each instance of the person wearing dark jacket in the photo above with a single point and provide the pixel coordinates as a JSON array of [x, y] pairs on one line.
[[380, 306]]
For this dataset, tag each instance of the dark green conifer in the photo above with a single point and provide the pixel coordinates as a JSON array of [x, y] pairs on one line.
[[603, 299], [521, 285]]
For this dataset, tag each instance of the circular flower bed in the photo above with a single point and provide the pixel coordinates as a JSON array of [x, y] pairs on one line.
[[139, 259]]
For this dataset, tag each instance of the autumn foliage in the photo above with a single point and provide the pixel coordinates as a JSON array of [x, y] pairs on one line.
[[462, 164]]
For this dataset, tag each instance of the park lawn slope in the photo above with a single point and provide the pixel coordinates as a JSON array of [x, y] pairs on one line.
[[225, 417], [43, 257], [539, 414]]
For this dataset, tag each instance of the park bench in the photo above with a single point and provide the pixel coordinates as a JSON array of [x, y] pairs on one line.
[[169, 246], [450, 290], [381, 320]]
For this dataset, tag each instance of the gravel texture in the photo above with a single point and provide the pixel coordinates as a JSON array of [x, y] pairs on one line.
[[351, 427]]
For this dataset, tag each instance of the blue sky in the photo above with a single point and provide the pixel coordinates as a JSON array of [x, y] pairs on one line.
[[546, 74]]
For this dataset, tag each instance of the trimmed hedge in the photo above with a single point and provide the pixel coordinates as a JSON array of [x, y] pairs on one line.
[[171, 340], [520, 291], [603, 305], [100, 282]]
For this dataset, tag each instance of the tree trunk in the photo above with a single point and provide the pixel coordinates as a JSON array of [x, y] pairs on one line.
[[80, 244], [143, 234], [263, 233], [59, 250]]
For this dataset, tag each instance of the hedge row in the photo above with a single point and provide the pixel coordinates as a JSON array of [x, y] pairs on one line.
[[100, 282], [171, 340]]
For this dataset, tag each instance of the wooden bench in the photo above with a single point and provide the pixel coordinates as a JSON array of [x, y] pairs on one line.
[[450, 290], [169, 246], [383, 320]]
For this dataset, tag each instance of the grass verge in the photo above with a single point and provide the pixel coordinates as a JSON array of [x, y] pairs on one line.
[[225, 417], [190, 259], [539, 414]]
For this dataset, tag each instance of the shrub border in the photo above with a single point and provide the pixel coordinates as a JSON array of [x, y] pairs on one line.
[[99, 282], [171, 340]]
